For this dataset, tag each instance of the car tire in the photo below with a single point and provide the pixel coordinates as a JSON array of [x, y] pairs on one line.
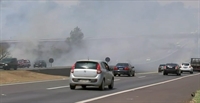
[[119, 75], [111, 85], [164, 73], [191, 72], [133, 74], [130, 74], [83, 86], [115, 75], [15, 68], [102, 86], [72, 87], [181, 71]]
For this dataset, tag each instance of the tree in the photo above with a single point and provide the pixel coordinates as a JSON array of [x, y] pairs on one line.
[[4, 50], [76, 35]]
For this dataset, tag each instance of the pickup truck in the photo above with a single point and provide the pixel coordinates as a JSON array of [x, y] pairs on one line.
[[195, 63]]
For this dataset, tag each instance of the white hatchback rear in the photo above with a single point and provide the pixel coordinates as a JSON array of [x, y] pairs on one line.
[[186, 67], [91, 73]]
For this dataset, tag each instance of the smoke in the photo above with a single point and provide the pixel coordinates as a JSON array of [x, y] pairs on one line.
[[125, 31]]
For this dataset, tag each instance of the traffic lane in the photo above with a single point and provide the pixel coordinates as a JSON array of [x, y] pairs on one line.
[[32, 86], [178, 91], [65, 95]]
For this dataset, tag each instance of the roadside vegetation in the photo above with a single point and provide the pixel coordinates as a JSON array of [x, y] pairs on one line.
[[196, 99]]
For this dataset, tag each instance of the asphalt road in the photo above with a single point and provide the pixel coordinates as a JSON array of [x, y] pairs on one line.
[[59, 91]]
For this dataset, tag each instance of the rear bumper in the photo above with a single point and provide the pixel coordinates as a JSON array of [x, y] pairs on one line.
[[186, 69], [120, 72], [77, 80], [171, 71]]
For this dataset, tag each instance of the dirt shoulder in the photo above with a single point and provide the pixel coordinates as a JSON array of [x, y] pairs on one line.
[[19, 76]]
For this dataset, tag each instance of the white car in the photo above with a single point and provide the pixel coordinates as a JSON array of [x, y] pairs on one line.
[[186, 67], [91, 73]]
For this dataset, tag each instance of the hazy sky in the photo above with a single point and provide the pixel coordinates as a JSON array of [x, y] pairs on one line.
[[55, 19]]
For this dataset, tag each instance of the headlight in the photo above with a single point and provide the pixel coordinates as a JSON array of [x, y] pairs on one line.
[[6, 64]]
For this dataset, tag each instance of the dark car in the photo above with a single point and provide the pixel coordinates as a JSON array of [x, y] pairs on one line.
[[173, 68], [124, 69], [40, 63], [161, 67], [8, 63]]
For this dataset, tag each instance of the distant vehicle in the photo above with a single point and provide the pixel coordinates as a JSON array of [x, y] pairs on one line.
[[173, 68], [40, 63], [161, 67], [195, 63], [124, 69], [186, 67], [9, 63], [22, 63], [91, 73]]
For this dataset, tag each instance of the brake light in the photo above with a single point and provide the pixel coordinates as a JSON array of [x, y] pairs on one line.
[[98, 69], [72, 69], [164, 67], [115, 68], [190, 66], [126, 68], [176, 67]]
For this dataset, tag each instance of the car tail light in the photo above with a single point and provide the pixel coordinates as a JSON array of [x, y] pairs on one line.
[[72, 69], [115, 68], [98, 69], [176, 67], [126, 68], [164, 67], [190, 66]]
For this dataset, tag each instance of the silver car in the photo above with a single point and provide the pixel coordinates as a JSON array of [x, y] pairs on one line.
[[91, 73]]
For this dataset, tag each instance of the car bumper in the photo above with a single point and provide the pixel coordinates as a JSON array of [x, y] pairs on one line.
[[120, 72], [186, 69], [91, 81], [171, 71]]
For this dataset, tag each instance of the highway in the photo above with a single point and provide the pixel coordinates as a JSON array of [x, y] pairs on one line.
[[59, 91]]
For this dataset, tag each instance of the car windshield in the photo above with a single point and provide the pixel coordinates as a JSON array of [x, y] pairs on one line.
[[185, 64], [6, 60], [171, 64], [86, 65], [122, 64]]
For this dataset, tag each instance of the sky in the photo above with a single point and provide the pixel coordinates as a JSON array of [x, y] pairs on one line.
[[43, 19], [136, 24]]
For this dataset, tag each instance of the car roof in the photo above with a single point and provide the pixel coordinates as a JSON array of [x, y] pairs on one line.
[[91, 60], [170, 63]]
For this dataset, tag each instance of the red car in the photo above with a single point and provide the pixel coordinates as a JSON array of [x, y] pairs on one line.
[[24, 63]]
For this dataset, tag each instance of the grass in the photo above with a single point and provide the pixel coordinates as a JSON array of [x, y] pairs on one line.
[[19, 76], [196, 99]]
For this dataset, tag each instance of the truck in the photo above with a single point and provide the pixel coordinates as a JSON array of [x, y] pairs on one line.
[[195, 63]]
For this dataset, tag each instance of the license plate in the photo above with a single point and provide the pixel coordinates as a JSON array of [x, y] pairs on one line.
[[84, 81], [121, 68]]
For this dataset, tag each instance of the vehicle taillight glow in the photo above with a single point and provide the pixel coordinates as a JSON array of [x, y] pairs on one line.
[[115, 68], [164, 67], [126, 68], [176, 67], [72, 69], [98, 69]]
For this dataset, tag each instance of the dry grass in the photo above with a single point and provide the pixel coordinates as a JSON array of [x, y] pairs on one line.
[[9, 77]]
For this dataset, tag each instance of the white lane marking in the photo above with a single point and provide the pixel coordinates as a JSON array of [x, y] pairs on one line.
[[58, 87], [147, 73], [116, 80], [34, 82], [129, 90], [141, 76]]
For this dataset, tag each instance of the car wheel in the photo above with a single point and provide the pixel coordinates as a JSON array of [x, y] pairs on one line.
[[130, 74], [191, 72], [181, 71], [111, 85], [119, 74], [15, 68], [133, 74], [84, 86], [102, 86], [72, 87], [114, 74], [159, 70], [164, 73]]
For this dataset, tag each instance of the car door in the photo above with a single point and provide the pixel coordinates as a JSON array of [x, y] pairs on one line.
[[109, 73]]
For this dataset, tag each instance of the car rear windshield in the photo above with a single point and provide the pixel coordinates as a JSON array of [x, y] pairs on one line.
[[86, 65], [162, 64], [172, 64], [122, 64], [185, 64]]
